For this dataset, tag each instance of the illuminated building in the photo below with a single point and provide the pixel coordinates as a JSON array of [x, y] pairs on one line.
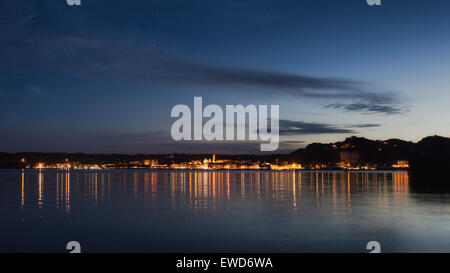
[[401, 164]]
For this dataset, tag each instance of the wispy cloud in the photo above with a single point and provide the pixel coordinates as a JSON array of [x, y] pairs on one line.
[[368, 107], [365, 125], [159, 142], [290, 127], [27, 18], [35, 89], [140, 64]]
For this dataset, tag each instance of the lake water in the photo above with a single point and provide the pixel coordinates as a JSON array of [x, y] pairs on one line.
[[219, 211]]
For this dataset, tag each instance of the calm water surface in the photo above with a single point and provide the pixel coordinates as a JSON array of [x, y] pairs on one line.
[[218, 211]]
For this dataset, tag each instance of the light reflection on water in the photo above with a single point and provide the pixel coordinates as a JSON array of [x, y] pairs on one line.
[[201, 191], [258, 211]]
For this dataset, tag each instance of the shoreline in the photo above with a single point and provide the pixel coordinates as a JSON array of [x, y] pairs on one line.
[[187, 169]]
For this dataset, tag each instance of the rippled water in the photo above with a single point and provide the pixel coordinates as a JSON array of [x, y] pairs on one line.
[[218, 211]]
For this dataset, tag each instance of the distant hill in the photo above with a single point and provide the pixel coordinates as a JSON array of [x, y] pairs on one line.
[[429, 167], [433, 145], [429, 159], [357, 150]]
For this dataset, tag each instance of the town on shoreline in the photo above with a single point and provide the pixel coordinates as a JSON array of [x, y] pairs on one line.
[[354, 153]]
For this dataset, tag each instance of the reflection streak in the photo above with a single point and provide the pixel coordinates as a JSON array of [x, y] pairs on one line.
[[213, 190]]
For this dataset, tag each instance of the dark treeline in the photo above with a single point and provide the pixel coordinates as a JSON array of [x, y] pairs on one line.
[[355, 150], [14, 160], [359, 151], [429, 159]]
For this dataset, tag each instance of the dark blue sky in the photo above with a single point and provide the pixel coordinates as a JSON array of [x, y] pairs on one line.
[[103, 77]]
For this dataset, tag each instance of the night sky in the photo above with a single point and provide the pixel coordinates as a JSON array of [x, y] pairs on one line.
[[104, 76]]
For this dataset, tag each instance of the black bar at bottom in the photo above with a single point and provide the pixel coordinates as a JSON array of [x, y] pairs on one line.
[[246, 262]]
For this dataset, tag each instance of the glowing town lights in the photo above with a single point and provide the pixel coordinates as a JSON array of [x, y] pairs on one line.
[[401, 164], [205, 164], [211, 163]]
